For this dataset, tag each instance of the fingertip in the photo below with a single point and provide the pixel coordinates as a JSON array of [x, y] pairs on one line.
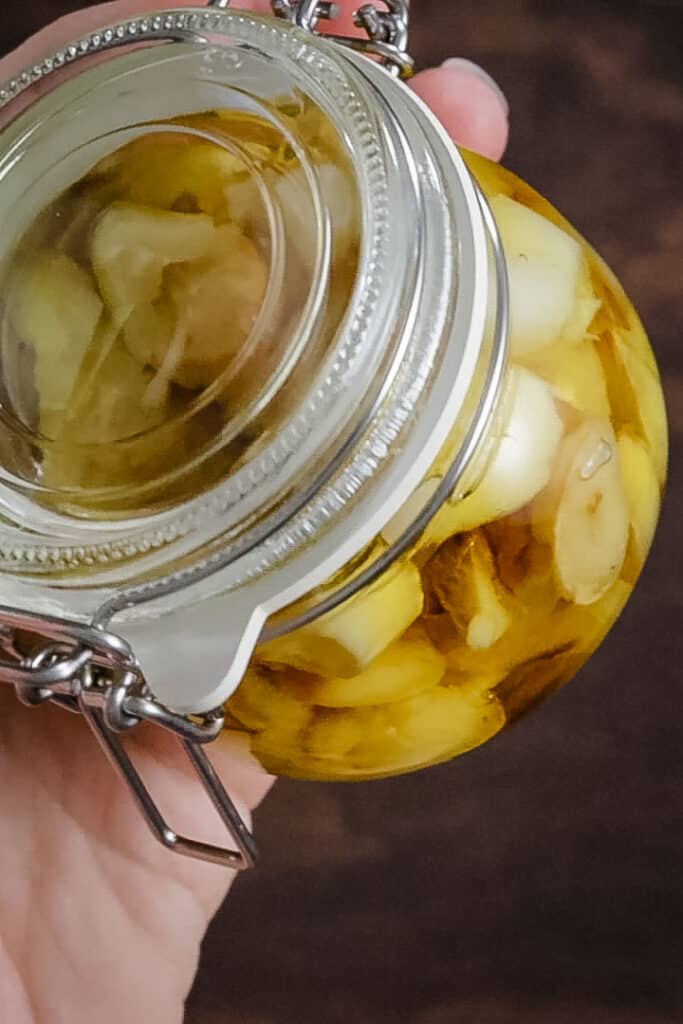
[[344, 23], [244, 775], [470, 105]]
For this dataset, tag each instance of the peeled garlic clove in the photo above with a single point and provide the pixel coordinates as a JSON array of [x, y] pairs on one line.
[[434, 726], [586, 308], [591, 525], [344, 642], [524, 444], [536, 632], [536, 678], [652, 410], [149, 332], [167, 170], [463, 574], [491, 620], [293, 191], [218, 299], [440, 528], [449, 718], [617, 314], [277, 721], [333, 736], [551, 298], [112, 410], [132, 245], [541, 300], [210, 308], [404, 669], [246, 207], [643, 494], [263, 700], [577, 378], [636, 395], [524, 566], [54, 307], [115, 408]]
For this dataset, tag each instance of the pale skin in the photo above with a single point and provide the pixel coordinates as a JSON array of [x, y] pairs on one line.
[[98, 922]]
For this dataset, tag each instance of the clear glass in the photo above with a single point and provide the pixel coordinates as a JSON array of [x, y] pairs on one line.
[[244, 339], [515, 582], [155, 312], [241, 181]]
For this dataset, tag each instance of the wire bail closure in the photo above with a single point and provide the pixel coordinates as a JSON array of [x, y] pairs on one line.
[[386, 29], [89, 672]]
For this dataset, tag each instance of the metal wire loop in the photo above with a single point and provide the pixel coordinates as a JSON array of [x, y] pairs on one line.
[[116, 713], [202, 731], [84, 670], [386, 30]]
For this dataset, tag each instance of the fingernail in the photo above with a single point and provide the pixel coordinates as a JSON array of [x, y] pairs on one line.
[[460, 64]]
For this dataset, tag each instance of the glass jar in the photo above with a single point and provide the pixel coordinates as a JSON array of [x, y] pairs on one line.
[[328, 421]]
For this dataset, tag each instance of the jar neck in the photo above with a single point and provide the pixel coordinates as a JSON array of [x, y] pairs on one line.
[[381, 404]]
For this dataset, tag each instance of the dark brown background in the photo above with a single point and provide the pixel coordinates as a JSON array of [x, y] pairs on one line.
[[537, 881]]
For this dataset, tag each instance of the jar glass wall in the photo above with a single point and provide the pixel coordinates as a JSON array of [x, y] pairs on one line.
[[514, 583], [274, 340], [345, 338]]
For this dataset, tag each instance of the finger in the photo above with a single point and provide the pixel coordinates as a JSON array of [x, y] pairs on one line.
[[245, 778], [75, 24], [343, 24], [463, 96], [70, 26], [468, 102]]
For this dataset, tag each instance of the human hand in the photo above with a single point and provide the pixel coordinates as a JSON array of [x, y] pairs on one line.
[[97, 922]]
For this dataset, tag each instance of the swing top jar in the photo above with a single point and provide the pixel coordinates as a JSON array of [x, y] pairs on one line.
[[327, 420]]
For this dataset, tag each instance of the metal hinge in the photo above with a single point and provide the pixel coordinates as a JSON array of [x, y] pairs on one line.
[[94, 673], [386, 27]]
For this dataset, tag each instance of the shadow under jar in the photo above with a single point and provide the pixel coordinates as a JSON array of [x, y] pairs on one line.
[[331, 422]]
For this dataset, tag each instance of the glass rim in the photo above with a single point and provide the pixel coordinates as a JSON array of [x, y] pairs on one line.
[[184, 26], [176, 24]]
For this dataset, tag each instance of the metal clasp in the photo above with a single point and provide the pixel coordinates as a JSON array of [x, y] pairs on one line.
[[88, 671], [386, 27]]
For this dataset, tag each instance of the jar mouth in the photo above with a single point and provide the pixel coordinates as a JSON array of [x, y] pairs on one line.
[[183, 239], [294, 332], [382, 390]]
